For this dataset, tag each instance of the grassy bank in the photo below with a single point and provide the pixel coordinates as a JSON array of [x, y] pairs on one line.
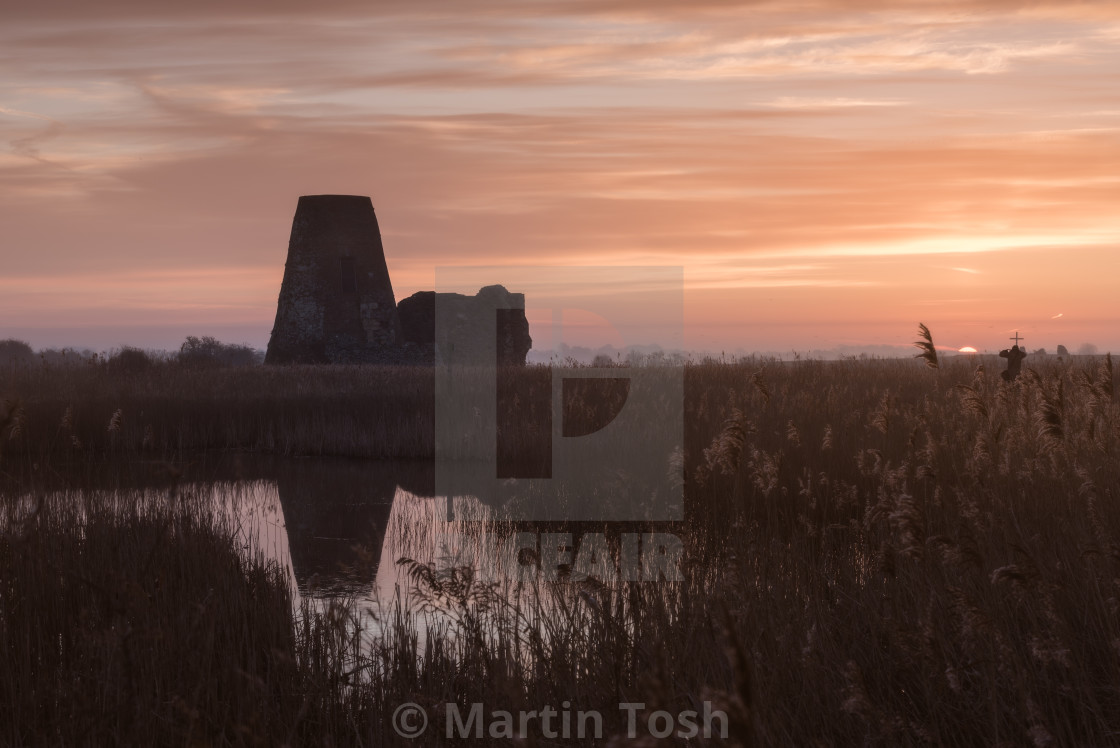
[[91, 410], [166, 410]]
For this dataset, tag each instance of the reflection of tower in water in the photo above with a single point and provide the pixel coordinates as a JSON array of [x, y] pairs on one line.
[[336, 513]]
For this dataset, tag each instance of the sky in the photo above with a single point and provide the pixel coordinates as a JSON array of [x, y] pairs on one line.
[[827, 174]]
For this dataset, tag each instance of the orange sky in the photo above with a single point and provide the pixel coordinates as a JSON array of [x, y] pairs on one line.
[[827, 173]]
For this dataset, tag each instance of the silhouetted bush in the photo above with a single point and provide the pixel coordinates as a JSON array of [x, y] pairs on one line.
[[15, 352], [128, 360], [209, 351]]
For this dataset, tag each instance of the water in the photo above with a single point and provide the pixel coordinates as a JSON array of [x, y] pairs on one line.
[[337, 528], [347, 545]]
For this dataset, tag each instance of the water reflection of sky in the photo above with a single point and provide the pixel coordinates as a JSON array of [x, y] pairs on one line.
[[337, 529], [361, 560], [346, 547]]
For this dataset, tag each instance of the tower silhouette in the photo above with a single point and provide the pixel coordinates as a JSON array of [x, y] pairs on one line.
[[336, 301]]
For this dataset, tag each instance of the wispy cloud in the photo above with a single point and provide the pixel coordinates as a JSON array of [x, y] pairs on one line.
[[815, 155], [799, 102]]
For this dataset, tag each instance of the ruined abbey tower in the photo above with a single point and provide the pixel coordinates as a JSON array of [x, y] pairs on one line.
[[337, 304]]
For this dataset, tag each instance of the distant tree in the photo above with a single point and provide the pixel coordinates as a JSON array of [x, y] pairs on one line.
[[209, 351], [1062, 351], [128, 360], [15, 352], [1087, 349], [64, 356], [1040, 352]]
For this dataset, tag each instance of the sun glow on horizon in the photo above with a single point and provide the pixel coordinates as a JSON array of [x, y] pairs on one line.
[[824, 177], [967, 349]]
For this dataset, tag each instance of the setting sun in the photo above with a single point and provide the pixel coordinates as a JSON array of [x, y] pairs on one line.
[[967, 349]]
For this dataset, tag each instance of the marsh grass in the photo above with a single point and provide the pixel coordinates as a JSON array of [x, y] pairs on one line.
[[876, 555], [138, 624], [928, 351], [168, 410]]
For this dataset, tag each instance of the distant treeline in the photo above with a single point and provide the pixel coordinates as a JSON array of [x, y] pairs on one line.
[[195, 351]]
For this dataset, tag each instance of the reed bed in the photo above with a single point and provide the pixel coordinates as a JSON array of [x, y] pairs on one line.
[[878, 553], [135, 622], [168, 410]]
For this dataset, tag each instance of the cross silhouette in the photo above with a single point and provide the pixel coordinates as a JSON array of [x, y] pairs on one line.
[[1016, 338]]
